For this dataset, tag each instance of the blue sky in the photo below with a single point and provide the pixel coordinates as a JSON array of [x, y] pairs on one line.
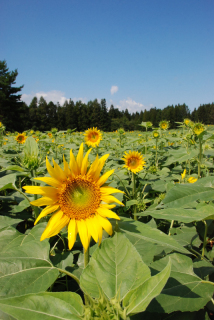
[[136, 54]]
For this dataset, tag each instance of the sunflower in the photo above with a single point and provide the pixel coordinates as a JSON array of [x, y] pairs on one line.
[[198, 128], [183, 174], [134, 161], [192, 180], [164, 125], [187, 121], [21, 138], [50, 135], [78, 198], [92, 137], [155, 134]]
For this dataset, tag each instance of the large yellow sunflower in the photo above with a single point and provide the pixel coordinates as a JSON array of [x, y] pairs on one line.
[[134, 161], [21, 138], [78, 197], [164, 124], [92, 137]]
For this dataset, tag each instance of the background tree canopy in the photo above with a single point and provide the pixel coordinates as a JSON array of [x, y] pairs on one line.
[[43, 116]]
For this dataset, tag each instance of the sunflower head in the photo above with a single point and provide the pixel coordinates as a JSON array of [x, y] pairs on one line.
[[134, 161], [78, 198], [198, 128], [156, 134], [192, 180], [21, 138], [164, 125], [50, 135], [92, 137], [121, 131], [187, 121]]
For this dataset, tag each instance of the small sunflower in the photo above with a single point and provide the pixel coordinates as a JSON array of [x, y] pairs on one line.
[[134, 161], [198, 128], [78, 198], [192, 180], [93, 137], [50, 135], [156, 134], [164, 125], [187, 121], [21, 138]]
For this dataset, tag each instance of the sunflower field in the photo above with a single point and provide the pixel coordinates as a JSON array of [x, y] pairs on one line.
[[105, 226]]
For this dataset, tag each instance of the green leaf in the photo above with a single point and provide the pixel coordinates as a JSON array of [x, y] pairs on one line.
[[131, 203], [117, 266], [21, 275], [8, 181], [183, 194], [31, 147], [44, 306], [143, 231], [184, 291], [181, 214], [137, 300], [7, 221]]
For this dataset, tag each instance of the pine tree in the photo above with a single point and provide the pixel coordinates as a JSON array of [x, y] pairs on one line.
[[10, 102]]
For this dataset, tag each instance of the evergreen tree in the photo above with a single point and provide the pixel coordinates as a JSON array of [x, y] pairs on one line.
[[10, 101]]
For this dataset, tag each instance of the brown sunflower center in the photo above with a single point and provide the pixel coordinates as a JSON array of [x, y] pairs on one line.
[[20, 138], [79, 197], [93, 136], [133, 162]]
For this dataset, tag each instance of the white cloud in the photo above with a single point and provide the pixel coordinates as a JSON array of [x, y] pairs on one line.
[[132, 105], [114, 89], [53, 95]]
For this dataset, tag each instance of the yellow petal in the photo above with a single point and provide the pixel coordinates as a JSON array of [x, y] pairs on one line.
[[85, 163], [53, 223], [46, 211], [104, 177], [102, 161], [93, 168], [59, 172], [51, 170], [49, 192], [72, 233], [110, 199], [98, 228], [51, 181], [66, 167], [105, 224], [80, 158], [107, 206], [109, 190], [83, 232], [92, 228], [44, 201], [73, 164], [107, 213]]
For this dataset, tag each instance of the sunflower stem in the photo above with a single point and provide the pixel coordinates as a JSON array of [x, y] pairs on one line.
[[134, 194], [199, 158], [86, 257], [205, 239], [156, 154], [35, 209], [69, 274]]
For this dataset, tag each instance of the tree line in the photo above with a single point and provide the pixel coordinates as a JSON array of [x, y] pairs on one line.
[[16, 115]]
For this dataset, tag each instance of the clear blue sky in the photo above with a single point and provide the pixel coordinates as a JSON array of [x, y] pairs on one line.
[[134, 53]]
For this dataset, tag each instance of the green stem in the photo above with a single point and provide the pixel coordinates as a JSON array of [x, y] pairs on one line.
[[199, 158], [205, 239], [171, 225], [134, 194], [122, 184], [35, 209], [86, 261], [156, 155], [69, 274]]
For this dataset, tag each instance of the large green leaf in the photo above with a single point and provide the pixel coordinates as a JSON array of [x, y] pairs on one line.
[[117, 266], [184, 291], [151, 235], [182, 194], [181, 214], [137, 300], [5, 222], [23, 275], [44, 306]]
